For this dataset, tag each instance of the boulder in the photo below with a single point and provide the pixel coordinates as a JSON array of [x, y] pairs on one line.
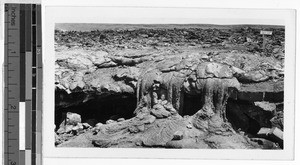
[[78, 129], [149, 119], [189, 126], [237, 71], [252, 77], [121, 119], [178, 135], [266, 105], [86, 126], [110, 121], [160, 112], [211, 69], [73, 119], [98, 125]]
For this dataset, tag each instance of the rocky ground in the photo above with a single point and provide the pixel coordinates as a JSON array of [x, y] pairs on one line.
[[170, 86]]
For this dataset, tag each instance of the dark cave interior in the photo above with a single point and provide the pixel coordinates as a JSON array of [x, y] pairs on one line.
[[191, 104], [100, 110], [122, 106]]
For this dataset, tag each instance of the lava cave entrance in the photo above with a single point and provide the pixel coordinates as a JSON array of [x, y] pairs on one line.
[[191, 104], [101, 109], [239, 119], [123, 106]]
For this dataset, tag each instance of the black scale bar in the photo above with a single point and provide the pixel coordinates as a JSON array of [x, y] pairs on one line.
[[22, 53], [12, 93], [23, 83]]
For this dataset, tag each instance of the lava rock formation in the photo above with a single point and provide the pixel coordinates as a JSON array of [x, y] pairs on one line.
[[169, 87]]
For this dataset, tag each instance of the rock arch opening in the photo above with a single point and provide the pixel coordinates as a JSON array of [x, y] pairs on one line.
[[101, 109]]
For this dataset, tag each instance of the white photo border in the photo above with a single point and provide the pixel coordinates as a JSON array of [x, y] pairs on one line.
[[158, 15]]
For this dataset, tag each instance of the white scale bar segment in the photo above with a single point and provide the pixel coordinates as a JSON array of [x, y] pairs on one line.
[[22, 126]]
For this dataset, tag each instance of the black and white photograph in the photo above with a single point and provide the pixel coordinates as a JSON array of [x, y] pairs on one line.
[[180, 86], [168, 83]]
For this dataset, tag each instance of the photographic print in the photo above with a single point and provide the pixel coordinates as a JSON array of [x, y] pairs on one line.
[[176, 86]]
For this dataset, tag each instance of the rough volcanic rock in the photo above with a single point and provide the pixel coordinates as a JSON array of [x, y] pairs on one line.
[[258, 92], [231, 83], [161, 132], [210, 79], [232, 141], [266, 144], [160, 113], [250, 77], [277, 120]]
